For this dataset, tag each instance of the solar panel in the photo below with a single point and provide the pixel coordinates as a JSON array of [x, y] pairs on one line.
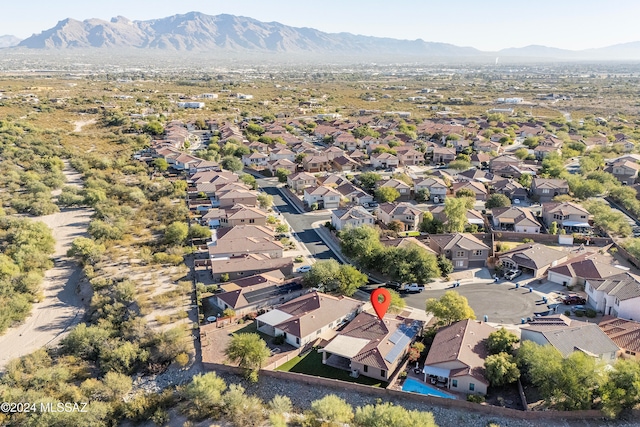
[[402, 336]]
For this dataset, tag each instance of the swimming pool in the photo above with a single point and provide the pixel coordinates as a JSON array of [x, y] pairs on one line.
[[422, 388]]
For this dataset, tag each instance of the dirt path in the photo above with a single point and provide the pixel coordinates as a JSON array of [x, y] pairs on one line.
[[79, 124], [62, 305]]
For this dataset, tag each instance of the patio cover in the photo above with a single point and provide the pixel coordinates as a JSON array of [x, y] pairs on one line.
[[438, 372], [273, 317], [575, 224], [345, 346]]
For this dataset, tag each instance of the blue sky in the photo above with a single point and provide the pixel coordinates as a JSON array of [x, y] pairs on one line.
[[484, 24]]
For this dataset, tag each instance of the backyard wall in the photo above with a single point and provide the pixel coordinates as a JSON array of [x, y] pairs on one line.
[[399, 396]]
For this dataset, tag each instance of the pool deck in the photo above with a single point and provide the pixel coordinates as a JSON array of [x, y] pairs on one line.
[[420, 378]]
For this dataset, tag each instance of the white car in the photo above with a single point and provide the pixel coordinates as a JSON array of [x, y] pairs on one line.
[[303, 269], [512, 274]]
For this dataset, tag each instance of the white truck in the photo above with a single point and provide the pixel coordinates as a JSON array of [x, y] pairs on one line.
[[412, 288]]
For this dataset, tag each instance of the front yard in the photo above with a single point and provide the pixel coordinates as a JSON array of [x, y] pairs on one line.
[[311, 364]]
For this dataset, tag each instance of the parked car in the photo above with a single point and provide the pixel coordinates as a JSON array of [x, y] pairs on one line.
[[393, 285], [303, 269], [579, 309], [412, 288], [512, 274], [572, 299], [281, 235], [543, 313]]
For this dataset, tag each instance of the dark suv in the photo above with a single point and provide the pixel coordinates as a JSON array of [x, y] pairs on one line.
[[574, 299]]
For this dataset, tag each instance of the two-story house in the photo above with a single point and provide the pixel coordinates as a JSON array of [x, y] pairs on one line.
[[404, 212], [325, 197], [463, 249], [408, 156], [384, 160], [569, 216], [317, 163], [625, 171], [545, 189], [474, 186], [443, 154], [301, 180], [402, 187], [534, 259], [435, 186], [511, 218], [355, 216], [617, 295], [236, 215], [255, 160]]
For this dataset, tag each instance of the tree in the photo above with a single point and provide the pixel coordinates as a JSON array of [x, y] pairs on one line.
[[396, 226], [455, 210], [525, 180], [460, 165], [249, 351], [176, 233], [88, 250], [242, 410], [368, 180], [330, 411], [333, 277], [466, 192], [497, 200], [521, 153], [621, 391], [231, 163], [199, 232], [451, 307], [388, 414], [397, 302], [501, 369], [282, 174], [204, 393], [161, 164], [501, 341], [153, 128], [249, 180], [553, 228], [282, 228], [387, 194], [265, 201], [445, 265], [361, 244], [423, 195]]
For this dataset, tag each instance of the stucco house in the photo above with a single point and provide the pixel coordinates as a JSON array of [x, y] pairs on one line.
[[511, 218], [372, 347], [463, 249], [325, 197], [301, 180], [308, 318], [617, 295], [569, 216], [355, 216], [404, 212], [545, 189], [457, 356], [567, 335], [533, 259]]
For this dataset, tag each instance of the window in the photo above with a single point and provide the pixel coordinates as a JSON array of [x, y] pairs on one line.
[[454, 383], [383, 373], [297, 340], [365, 368], [459, 263], [632, 353], [617, 301], [459, 254], [318, 331], [472, 386], [544, 191], [478, 252], [583, 216], [251, 221]]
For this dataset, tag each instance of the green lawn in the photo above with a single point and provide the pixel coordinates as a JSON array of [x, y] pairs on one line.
[[409, 233], [311, 364]]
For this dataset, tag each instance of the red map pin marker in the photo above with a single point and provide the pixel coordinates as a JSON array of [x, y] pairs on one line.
[[380, 299]]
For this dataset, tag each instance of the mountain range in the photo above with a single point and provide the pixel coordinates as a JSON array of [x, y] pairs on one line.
[[198, 32]]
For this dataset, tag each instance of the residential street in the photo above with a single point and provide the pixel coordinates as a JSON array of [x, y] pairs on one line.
[[301, 223]]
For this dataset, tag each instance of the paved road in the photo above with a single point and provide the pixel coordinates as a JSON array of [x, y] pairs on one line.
[[501, 302], [301, 223]]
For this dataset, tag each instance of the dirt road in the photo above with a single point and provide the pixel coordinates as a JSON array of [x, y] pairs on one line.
[[62, 305]]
